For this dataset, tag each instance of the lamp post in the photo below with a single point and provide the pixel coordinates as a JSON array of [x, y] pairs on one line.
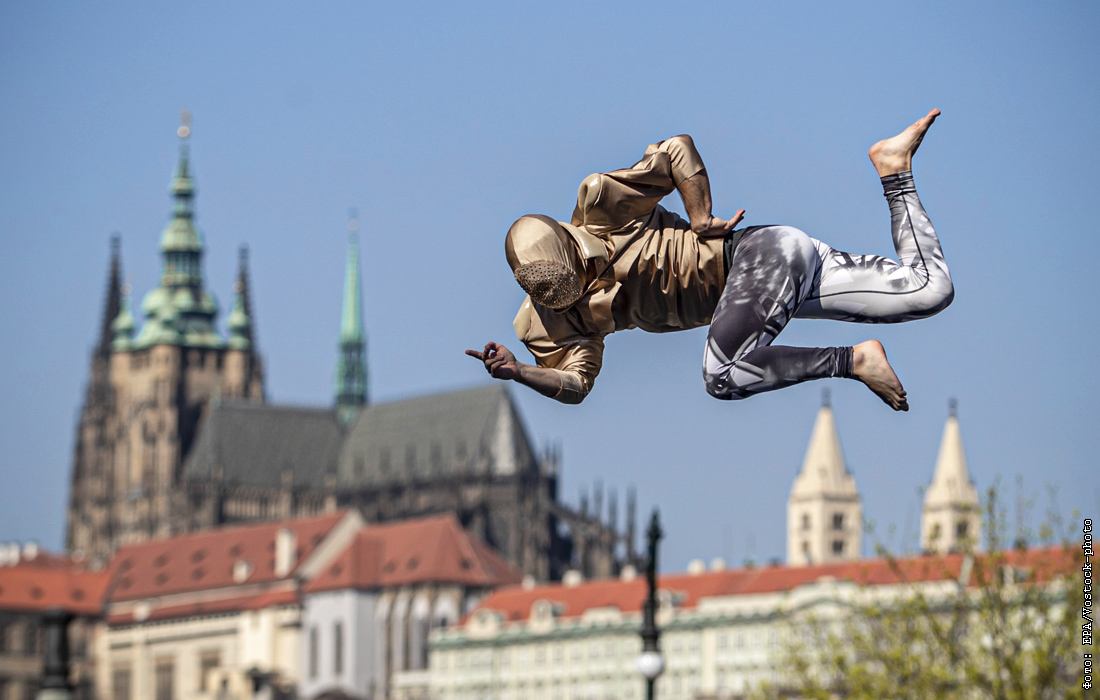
[[650, 662]]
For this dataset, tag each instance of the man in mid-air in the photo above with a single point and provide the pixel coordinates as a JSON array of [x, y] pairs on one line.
[[625, 262]]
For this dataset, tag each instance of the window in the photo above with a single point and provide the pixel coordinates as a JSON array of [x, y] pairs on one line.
[[960, 528], [164, 675], [838, 521], [208, 661], [120, 683], [30, 639], [338, 648], [805, 521], [723, 640], [313, 652], [838, 546], [423, 625]]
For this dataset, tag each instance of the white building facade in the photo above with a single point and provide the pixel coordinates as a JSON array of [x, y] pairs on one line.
[[721, 635]]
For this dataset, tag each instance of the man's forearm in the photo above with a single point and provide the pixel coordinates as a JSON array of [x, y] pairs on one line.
[[545, 381], [695, 191]]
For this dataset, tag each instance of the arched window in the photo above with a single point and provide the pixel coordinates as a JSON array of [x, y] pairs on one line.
[[419, 622]]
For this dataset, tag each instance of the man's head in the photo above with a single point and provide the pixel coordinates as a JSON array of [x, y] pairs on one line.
[[546, 261]]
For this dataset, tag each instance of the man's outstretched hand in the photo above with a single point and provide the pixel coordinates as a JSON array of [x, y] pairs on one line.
[[499, 361], [714, 227]]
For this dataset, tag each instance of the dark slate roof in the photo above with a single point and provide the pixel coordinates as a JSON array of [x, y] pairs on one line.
[[470, 431], [254, 443]]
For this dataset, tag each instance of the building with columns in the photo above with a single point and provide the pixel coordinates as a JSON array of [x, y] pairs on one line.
[[951, 519], [176, 434], [824, 512]]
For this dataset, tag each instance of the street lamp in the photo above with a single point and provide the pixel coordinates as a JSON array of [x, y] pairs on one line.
[[650, 662]]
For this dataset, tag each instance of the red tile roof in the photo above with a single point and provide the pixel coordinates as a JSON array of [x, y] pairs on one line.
[[434, 549], [38, 585], [235, 603], [192, 574], [205, 560], [515, 602]]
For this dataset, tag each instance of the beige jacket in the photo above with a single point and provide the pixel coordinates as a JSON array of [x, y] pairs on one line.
[[657, 275]]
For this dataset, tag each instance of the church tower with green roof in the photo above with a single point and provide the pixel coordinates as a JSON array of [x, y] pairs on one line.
[[150, 392], [351, 368]]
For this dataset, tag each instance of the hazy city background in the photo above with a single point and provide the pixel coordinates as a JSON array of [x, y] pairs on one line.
[[443, 123]]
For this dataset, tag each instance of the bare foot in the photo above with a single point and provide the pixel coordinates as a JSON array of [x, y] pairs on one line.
[[895, 155], [869, 366]]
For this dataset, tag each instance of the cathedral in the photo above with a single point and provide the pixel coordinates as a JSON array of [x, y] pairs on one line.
[[175, 433]]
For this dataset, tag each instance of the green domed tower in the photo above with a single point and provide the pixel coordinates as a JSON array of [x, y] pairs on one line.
[[180, 311]]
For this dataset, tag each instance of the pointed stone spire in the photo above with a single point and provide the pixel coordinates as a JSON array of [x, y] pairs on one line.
[[112, 301], [240, 319], [351, 369], [123, 325], [951, 517], [180, 311], [824, 514], [823, 467]]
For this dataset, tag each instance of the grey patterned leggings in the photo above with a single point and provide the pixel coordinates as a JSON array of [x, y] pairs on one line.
[[779, 273]]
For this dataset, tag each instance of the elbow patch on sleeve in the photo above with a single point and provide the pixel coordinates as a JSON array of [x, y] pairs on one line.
[[685, 160], [573, 387]]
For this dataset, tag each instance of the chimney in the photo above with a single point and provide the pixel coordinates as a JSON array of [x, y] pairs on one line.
[[286, 542], [572, 578]]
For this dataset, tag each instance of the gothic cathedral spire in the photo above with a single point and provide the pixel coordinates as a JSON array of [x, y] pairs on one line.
[[241, 334], [824, 512], [113, 300], [951, 518], [351, 369]]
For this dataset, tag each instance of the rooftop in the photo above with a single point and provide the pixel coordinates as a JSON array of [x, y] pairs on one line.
[[51, 581], [516, 603]]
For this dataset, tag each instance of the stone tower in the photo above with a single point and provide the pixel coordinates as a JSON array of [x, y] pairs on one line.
[[824, 514], [951, 518], [351, 368], [148, 394]]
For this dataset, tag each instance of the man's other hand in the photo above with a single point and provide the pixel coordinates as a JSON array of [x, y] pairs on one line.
[[499, 361]]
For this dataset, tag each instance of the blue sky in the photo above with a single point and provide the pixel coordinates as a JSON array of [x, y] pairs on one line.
[[444, 122]]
